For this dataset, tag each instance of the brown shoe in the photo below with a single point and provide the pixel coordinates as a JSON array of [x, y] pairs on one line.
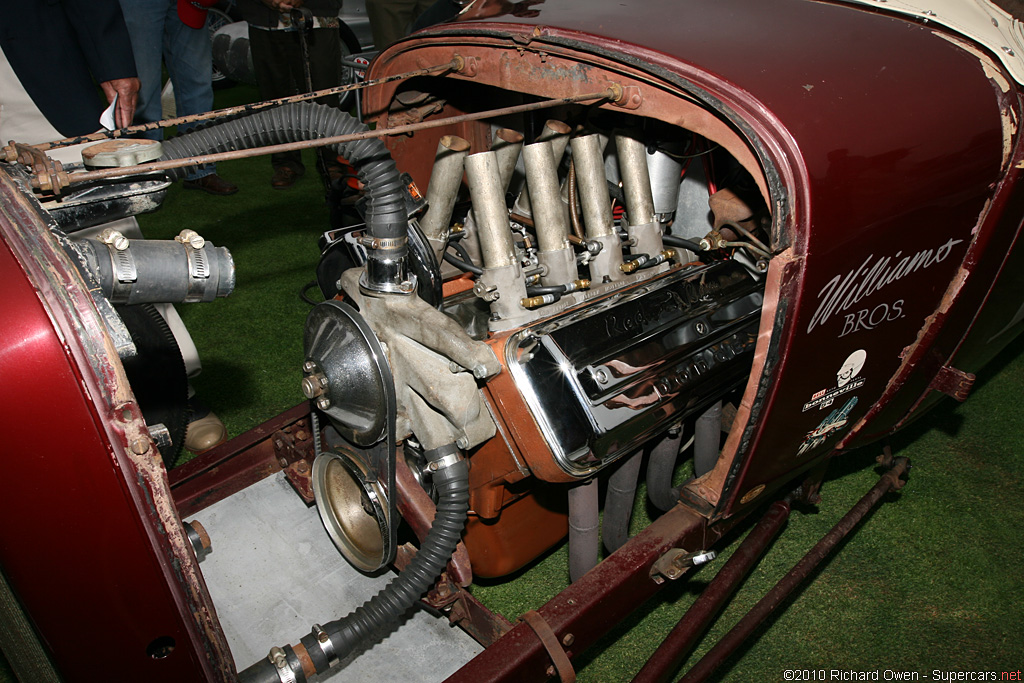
[[284, 177], [211, 184]]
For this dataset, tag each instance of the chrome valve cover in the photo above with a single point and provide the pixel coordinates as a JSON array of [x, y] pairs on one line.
[[603, 378]]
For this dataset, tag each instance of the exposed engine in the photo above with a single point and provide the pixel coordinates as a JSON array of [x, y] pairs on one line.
[[584, 305], [587, 298]]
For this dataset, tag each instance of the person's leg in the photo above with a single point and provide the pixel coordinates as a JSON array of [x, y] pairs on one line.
[[187, 54], [145, 20], [325, 54], [276, 59], [389, 20]]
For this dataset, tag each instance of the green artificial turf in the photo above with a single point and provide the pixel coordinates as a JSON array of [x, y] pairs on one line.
[[930, 581]]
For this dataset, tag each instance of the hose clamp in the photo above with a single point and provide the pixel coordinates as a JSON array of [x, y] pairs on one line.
[[279, 659], [445, 462], [122, 263], [198, 273], [326, 645], [384, 243]]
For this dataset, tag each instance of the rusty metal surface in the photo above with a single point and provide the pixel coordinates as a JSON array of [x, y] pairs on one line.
[[591, 606], [691, 627], [232, 466], [890, 481], [474, 618], [13, 154], [48, 182], [542, 72]]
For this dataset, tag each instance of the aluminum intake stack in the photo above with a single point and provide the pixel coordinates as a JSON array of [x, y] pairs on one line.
[[502, 284], [550, 220], [445, 180], [644, 230], [597, 208]]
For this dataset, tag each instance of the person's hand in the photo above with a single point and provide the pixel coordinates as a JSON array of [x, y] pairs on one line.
[[127, 90], [283, 5]]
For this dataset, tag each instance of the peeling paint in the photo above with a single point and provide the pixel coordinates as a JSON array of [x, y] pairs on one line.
[[992, 71]]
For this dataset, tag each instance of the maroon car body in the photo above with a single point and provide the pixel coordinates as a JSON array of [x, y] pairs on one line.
[[887, 155]]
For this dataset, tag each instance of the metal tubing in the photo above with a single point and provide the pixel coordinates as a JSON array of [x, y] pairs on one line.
[[445, 180], [593, 186], [636, 180], [597, 207], [507, 147], [557, 133], [707, 439], [659, 472], [770, 602], [549, 217], [583, 524], [618, 502], [644, 230], [674, 650], [542, 180], [665, 173], [483, 173]]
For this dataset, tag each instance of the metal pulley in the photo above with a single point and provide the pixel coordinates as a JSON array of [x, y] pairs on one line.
[[347, 376]]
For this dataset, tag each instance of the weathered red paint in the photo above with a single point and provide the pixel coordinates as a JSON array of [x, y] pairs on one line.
[[97, 544]]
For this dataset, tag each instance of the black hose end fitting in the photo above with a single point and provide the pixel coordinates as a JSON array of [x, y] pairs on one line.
[[260, 672], [445, 464], [280, 666]]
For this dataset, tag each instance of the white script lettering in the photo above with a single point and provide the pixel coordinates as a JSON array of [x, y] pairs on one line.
[[872, 276]]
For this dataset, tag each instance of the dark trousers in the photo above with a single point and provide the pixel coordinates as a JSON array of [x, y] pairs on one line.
[[278, 62]]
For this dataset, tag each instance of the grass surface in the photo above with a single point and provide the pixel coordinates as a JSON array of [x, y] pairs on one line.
[[930, 581]]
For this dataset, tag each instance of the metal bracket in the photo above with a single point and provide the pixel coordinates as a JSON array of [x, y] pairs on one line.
[[292, 450], [676, 562], [953, 382], [631, 98], [560, 660]]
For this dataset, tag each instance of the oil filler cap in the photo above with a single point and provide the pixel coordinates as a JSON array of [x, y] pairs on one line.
[[122, 152]]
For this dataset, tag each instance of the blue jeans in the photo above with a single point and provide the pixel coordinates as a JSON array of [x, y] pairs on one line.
[[159, 37]]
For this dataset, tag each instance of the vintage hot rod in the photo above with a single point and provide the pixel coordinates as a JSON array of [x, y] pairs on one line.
[[587, 233]]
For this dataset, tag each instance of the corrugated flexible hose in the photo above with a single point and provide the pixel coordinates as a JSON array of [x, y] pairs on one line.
[[380, 614], [386, 216]]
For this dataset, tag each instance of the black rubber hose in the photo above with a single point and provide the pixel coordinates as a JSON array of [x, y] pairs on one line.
[[386, 215], [538, 290], [673, 241], [380, 614], [462, 265], [461, 251]]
